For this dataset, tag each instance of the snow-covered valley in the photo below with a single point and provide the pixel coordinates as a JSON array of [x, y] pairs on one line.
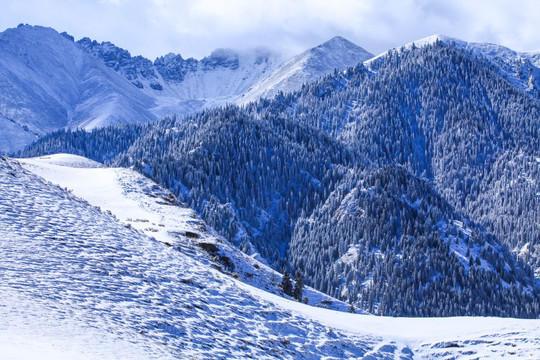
[[103, 263]]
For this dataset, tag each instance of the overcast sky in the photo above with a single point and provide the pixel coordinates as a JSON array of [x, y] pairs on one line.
[[194, 28]]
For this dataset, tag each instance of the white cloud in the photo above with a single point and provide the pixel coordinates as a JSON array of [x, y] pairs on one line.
[[196, 27]]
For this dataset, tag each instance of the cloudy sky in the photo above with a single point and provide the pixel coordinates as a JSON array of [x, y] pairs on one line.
[[194, 28]]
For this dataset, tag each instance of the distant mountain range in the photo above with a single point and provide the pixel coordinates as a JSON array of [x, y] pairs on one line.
[[50, 82]]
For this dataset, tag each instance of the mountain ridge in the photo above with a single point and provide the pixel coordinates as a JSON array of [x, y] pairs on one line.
[[522, 68], [336, 53]]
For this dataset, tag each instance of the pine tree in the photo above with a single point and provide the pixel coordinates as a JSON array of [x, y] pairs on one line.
[[286, 284], [298, 285]]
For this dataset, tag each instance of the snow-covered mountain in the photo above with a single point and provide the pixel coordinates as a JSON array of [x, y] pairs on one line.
[[79, 282], [187, 85], [336, 53], [521, 68], [226, 76], [47, 82]]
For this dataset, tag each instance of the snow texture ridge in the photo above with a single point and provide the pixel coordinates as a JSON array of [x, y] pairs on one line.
[[74, 272], [139, 203]]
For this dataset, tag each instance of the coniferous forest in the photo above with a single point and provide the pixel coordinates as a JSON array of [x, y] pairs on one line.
[[408, 187]]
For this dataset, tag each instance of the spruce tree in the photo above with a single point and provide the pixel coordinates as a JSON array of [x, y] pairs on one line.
[[286, 284], [298, 285]]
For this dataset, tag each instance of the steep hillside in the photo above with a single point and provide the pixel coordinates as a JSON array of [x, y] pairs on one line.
[[386, 241], [250, 179], [71, 268], [456, 120], [47, 82]]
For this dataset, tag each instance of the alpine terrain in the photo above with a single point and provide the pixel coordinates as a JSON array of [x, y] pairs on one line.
[[332, 205], [381, 193]]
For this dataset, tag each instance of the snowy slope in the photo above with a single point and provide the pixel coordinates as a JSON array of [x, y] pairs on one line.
[[336, 53], [140, 203], [47, 82], [216, 80], [78, 283]]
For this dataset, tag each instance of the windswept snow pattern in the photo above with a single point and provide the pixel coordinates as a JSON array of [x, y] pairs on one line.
[[75, 282], [140, 203], [68, 267]]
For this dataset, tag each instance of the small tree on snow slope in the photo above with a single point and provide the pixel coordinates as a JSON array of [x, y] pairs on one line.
[[286, 284]]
